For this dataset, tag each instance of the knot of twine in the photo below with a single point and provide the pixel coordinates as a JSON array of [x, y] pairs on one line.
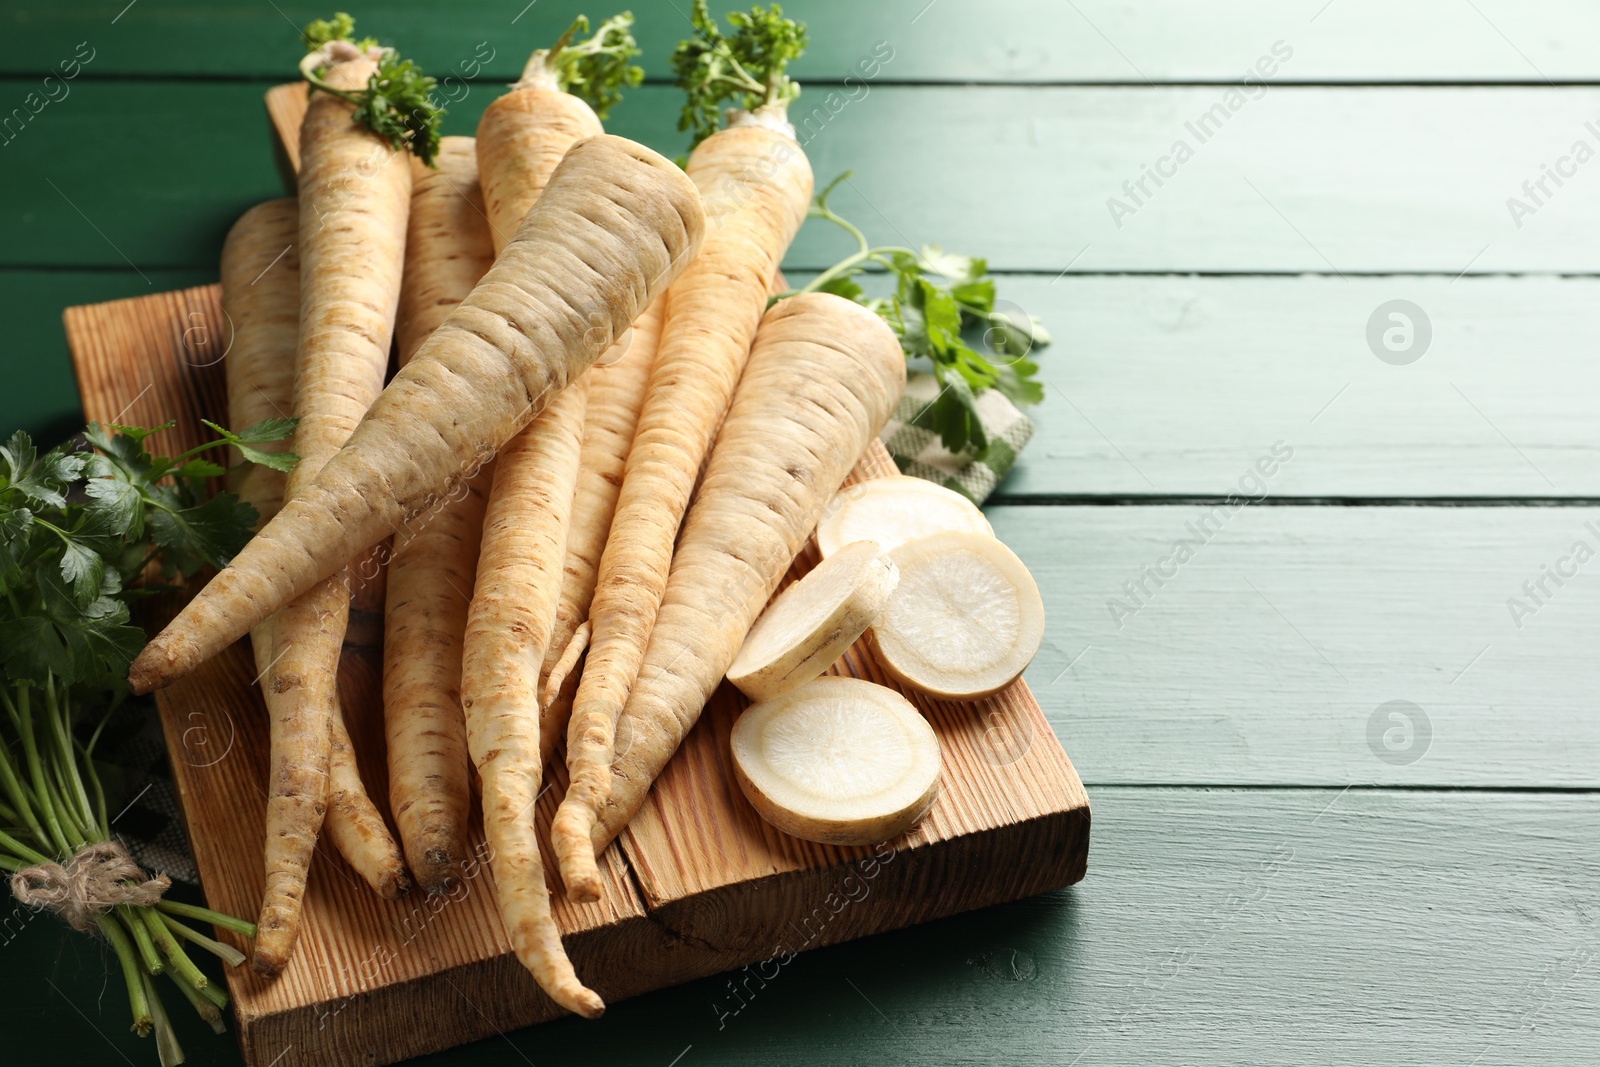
[[95, 879]]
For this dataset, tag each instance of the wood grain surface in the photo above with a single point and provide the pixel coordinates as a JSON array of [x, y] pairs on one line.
[[1175, 386], [711, 893], [1267, 656]]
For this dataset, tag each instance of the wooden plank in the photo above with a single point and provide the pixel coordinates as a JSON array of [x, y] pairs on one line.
[[41, 397], [1176, 385], [1266, 354], [1010, 820], [1218, 927], [1004, 40], [1300, 180], [1273, 654]]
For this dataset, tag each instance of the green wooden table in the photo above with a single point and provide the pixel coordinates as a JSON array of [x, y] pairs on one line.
[[1341, 744]]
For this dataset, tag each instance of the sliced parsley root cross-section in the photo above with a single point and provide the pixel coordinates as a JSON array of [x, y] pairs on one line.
[[842, 761]]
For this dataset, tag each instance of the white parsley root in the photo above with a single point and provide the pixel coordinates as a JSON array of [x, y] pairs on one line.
[[839, 760], [891, 511], [811, 623], [965, 619]]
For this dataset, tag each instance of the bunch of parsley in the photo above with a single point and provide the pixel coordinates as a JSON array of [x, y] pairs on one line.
[[595, 70], [746, 67], [79, 525], [84, 529], [940, 303]]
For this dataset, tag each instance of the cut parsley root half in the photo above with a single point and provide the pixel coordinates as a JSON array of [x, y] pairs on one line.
[[891, 511], [812, 622], [839, 760], [965, 619]]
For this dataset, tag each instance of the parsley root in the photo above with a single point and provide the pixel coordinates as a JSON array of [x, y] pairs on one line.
[[823, 376], [521, 139], [260, 297], [355, 194], [508, 626], [435, 557], [616, 392], [756, 183], [843, 761], [965, 619], [614, 227], [810, 624]]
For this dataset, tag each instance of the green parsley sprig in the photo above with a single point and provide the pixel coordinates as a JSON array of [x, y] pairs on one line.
[[80, 524], [596, 69], [78, 527], [397, 104], [747, 67], [939, 299]]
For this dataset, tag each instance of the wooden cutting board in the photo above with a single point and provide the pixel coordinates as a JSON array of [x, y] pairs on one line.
[[696, 885]]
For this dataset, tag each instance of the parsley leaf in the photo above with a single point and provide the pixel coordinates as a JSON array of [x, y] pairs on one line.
[[944, 310], [595, 70], [84, 570], [79, 525], [397, 104], [41, 479], [210, 533], [262, 433], [747, 68]]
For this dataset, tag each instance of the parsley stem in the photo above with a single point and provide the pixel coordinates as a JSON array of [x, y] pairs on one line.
[[141, 939], [226, 953], [14, 788], [17, 848], [130, 972], [208, 1011], [61, 728], [542, 70], [166, 1040], [41, 785], [102, 824], [178, 961], [215, 918], [315, 61], [850, 264]]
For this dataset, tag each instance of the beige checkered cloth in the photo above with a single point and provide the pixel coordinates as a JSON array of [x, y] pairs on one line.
[[973, 471]]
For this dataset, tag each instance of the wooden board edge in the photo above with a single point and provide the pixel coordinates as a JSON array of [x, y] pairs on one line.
[[463, 1003], [286, 108], [754, 925]]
